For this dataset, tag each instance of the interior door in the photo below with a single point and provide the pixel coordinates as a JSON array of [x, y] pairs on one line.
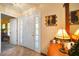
[[13, 31], [28, 32]]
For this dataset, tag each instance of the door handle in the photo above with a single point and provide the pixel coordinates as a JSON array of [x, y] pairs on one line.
[[33, 35]]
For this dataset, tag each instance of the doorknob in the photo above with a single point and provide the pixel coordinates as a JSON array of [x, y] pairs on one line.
[[33, 35]]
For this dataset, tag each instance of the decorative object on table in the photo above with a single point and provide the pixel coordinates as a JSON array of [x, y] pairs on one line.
[[58, 42], [50, 20], [53, 41], [74, 51], [74, 17], [63, 37], [68, 45]]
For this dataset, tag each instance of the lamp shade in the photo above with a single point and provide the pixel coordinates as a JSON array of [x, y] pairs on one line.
[[77, 33], [62, 34]]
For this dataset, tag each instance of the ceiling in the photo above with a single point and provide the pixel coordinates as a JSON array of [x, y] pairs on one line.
[[3, 16], [16, 8]]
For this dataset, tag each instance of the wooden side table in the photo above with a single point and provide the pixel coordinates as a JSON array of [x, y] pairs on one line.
[[53, 50]]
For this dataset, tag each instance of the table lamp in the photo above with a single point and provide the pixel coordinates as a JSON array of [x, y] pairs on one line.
[[77, 34], [62, 36]]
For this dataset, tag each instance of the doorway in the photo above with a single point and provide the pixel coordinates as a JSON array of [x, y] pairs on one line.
[[7, 36]]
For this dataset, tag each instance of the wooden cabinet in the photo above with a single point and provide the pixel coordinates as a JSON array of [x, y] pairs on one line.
[[53, 50]]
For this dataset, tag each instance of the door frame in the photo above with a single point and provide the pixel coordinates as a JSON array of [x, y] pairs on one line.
[[0, 24]]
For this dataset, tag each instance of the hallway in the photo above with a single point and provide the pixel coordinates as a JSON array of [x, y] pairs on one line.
[[19, 51]]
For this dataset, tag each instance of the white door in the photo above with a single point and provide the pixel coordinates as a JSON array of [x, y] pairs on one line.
[[13, 31], [28, 32]]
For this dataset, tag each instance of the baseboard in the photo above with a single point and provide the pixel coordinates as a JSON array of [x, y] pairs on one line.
[[43, 54]]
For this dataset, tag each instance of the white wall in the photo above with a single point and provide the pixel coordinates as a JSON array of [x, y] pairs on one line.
[[49, 32], [73, 7]]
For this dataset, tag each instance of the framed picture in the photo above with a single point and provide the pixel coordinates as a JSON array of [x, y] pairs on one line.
[[74, 17], [50, 20]]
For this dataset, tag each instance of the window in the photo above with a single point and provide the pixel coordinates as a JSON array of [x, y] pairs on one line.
[[3, 26], [37, 32], [8, 25]]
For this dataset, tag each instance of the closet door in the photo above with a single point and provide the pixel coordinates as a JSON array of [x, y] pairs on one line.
[[13, 31], [28, 32]]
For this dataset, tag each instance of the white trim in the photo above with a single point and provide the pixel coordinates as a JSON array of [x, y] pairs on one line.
[[0, 33], [9, 14]]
